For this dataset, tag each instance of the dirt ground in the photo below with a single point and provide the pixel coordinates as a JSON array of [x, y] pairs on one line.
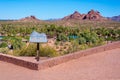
[[101, 66]]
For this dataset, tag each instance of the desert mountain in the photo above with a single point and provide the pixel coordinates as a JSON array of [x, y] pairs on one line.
[[75, 15], [91, 15], [115, 18], [29, 19]]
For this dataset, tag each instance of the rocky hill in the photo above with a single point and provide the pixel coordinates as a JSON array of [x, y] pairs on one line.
[[91, 15], [29, 19], [75, 15]]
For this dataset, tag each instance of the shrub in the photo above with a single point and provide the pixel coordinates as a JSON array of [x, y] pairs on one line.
[[16, 42], [74, 46], [62, 37], [83, 46], [4, 50], [82, 40], [48, 51], [45, 51], [3, 45], [26, 51]]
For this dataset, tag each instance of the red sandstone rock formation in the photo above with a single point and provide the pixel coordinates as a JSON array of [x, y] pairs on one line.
[[91, 15], [29, 19], [75, 15]]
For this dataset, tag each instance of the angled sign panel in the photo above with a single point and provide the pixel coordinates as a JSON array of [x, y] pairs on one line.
[[36, 37]]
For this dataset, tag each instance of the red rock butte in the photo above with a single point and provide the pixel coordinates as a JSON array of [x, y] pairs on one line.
[[91, 15], [29, 19]]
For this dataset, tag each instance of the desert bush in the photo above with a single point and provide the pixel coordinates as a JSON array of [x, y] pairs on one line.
[[26, 51], [4, 50], [62, 37], [45, 51], [16, 42], [3, 45], [48, 51], [82, 40], [74, 46], [83, 46]]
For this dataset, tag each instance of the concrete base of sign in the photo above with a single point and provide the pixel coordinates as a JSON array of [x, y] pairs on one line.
[[43, 64]]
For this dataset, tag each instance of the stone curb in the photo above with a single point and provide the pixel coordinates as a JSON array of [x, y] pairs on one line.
[[18, 61], [57, 60]]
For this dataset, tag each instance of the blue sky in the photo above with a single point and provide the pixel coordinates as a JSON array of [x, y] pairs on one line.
[[46, 9]]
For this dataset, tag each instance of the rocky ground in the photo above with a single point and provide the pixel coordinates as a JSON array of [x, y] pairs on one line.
[[101, 66]]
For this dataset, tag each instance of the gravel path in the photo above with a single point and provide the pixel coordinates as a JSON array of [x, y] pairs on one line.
[[101, 66]]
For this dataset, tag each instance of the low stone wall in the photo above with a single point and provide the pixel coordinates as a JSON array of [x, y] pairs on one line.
[[57, 60], [18, 61]]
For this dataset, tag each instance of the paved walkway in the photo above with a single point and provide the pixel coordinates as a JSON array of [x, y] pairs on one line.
[[102, 66]]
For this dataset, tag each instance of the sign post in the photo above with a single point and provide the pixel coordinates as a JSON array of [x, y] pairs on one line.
[[38, 51], [36, 37]]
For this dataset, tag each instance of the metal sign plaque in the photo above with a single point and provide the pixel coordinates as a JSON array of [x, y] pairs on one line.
[[36, 37]]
